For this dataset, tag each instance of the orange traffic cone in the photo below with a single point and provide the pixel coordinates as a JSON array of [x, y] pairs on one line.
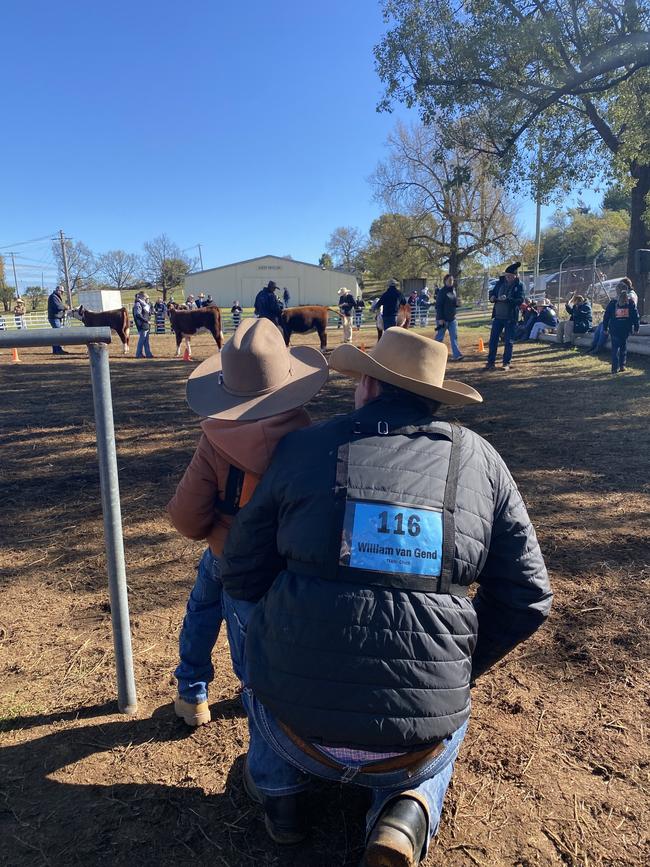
[[186, 355], [481, 345], [14, 356]]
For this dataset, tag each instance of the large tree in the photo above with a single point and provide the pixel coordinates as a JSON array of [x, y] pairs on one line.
[[119, 269], [391, 252], [346, 246], [582, 234], [6, 292], [165, 265], [557, 90], [457, 209]]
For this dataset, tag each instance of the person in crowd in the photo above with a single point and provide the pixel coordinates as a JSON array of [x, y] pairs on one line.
[[599, 340], [506, 295], [56, 315], [142, 317], [527, 318], [236, 311], [621, 319], [349, 617], [201, 300], [190, 303], [424, 303], [546, 318], [346, 307], [286, 297], [388, 305], [208, 301], [267, 305], [446, 305], [20, 313], [250, 395], [160, 312], [579, 310], [359, 307], [412, 301]]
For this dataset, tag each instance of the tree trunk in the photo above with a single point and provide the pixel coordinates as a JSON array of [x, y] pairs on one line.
[[454, 257], [639, 232]]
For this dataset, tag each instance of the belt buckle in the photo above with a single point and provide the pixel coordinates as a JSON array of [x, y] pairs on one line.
[[382, 428]]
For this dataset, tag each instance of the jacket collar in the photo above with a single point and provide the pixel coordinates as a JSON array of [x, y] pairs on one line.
[[396, 413]]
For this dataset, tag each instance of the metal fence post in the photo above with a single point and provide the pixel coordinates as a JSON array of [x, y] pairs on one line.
[[108, 478]]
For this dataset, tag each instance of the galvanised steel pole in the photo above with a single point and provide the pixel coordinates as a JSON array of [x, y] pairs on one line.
[[110, 491]]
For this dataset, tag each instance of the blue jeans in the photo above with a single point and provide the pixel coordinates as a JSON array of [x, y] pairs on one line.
[[56, 323], [279, 767], [452, 328], [619, 352], [143, 343], [508, 328], [200, 631]]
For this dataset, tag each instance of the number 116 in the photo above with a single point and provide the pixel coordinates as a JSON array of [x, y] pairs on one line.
[[412, 524]]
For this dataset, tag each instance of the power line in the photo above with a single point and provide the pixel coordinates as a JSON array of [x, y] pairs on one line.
[[23, 243]]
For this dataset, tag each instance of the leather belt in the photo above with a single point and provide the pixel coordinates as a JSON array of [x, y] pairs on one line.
[[410, 760]]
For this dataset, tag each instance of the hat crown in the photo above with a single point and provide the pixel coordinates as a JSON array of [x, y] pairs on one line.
[[255, 360], [412, 355]]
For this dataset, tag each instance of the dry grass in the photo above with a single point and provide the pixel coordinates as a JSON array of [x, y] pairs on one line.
[[555, 766]]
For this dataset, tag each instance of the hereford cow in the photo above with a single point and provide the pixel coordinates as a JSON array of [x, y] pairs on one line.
[[300, 320], [186, 323], [403, 319], [117, 320]]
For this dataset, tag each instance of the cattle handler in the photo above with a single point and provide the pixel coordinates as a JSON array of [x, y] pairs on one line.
[[348, 576]]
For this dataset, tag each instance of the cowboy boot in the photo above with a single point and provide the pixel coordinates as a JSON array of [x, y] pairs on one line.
[[399, 835], [282, 814]]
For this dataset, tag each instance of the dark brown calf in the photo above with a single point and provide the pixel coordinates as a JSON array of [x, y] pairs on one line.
[[185, 323], [403, 319], [300, 320], [117, 320]]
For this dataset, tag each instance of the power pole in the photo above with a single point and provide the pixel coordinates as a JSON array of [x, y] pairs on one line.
[[200, 256], [538, 221], [13, 265], [64, 254]]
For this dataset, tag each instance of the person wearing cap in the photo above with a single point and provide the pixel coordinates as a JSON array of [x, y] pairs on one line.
[[190, 303], [56, 315], [236, 312], [388, 305], [506, 295], [142, 319], [546, 318], [250, 395], [267, 305], [346, 306], [362, 640]]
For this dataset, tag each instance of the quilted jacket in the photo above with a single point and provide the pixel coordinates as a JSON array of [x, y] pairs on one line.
[[342, 660]]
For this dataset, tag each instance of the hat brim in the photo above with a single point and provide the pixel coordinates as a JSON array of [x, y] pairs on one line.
[[208, 398], [352, 361]]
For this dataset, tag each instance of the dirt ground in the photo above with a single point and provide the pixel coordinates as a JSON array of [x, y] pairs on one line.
[[554, 769]]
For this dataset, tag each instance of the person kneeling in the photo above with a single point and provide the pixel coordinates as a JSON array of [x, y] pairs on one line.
[[347, 579]]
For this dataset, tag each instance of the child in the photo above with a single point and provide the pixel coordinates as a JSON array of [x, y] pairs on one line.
[[236, 311], [621, 318], [251, 395]]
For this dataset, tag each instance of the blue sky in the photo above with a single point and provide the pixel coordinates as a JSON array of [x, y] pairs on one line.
[[249, 127]]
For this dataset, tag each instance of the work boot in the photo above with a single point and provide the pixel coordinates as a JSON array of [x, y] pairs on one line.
[[399, 836], [489, 366], [282, 814], [192, 714]]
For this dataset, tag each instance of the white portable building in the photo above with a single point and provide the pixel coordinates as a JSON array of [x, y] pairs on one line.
[[241, 281], [99, 300]]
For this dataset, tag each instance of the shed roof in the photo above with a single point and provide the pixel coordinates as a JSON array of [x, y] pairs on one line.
[[280, 259]]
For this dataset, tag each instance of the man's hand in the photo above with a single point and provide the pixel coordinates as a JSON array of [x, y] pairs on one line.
[[441, 322]]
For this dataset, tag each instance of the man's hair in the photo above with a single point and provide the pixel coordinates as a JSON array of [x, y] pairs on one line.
[[393, 392]]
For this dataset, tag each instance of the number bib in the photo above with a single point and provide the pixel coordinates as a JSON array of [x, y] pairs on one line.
[[381, 537]]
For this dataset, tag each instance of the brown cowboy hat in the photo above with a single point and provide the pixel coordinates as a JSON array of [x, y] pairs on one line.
[[255, 376], [409, 361]]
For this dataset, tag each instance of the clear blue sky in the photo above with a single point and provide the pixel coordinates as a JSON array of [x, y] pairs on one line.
[[250, 127]]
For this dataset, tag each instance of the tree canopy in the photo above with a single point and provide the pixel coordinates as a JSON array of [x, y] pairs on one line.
[[346, 247], [457, 210], [582, 234], [558, 92]]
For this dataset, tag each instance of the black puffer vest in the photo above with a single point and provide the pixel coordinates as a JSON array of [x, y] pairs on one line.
[[366, 638]]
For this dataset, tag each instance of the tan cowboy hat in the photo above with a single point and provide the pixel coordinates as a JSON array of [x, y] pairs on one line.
[[255, 376], [409, 361]]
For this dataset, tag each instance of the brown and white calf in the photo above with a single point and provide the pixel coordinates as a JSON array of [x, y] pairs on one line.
[[186, 323], [117, 320], [300, 320]]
